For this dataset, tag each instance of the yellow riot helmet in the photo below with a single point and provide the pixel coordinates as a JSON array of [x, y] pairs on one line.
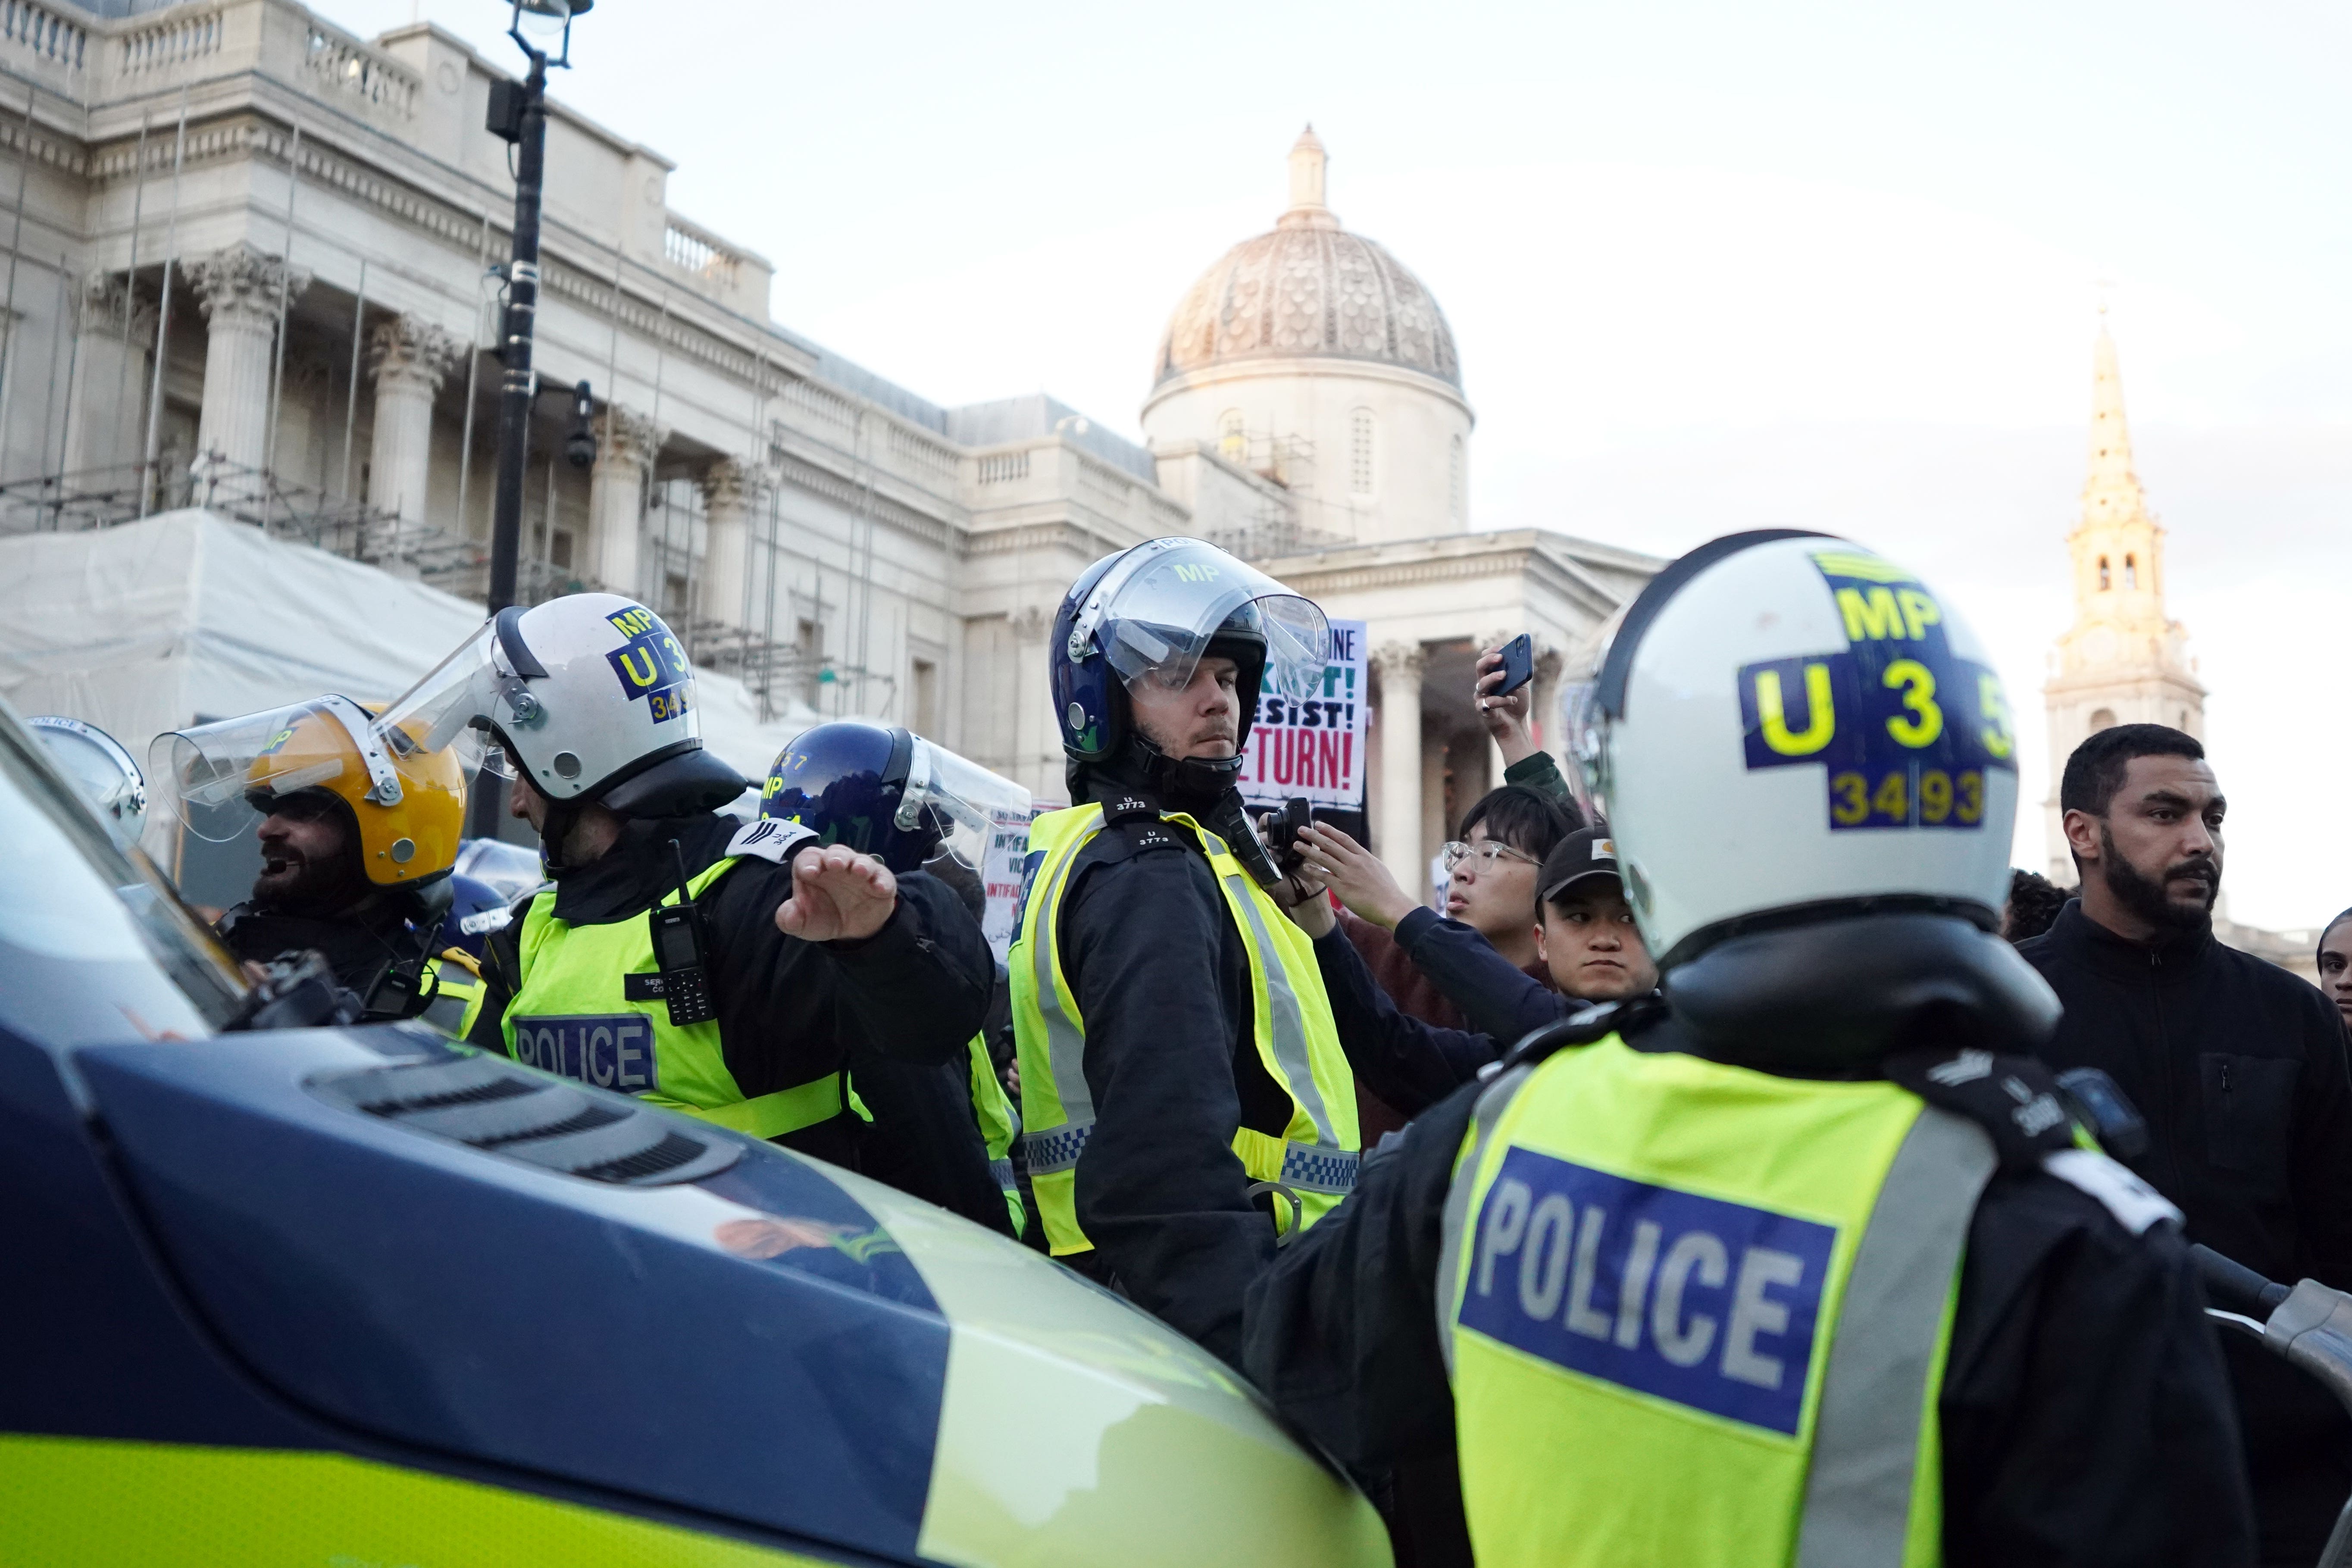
[[408, 804]]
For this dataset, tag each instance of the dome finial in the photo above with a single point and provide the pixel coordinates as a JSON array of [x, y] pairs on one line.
[[1308, 162]]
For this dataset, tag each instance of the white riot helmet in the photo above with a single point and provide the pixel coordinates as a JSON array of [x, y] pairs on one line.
[[102, 772], [1786, 727], [591, 696]]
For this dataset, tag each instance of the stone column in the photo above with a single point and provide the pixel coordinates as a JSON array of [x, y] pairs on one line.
[[240, 290], [1543, 703], [626, 444], [732, 491], [412, 357], [1398, 665], [110, 385]]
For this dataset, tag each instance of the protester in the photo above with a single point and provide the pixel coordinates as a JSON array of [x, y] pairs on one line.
[[2336, 963], [2237, 1067], [1414, 993], [2033, 904]]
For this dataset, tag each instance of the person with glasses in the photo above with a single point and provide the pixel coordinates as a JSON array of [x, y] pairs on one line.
[[1582, 928]]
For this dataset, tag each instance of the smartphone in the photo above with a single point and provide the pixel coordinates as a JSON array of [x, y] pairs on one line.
[[1518, 665], [1296, 814]]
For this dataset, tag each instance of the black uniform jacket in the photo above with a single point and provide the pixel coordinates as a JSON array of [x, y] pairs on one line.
[[1497, 996], [1410, 1064], [2085, 1415], [360, 947], [789, 1011], [1162, 981], [2239, 1068]]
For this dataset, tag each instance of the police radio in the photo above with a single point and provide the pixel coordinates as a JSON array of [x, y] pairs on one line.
[[677, 953]]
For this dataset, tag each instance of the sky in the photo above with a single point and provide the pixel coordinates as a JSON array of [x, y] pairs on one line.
[[1710, 267]]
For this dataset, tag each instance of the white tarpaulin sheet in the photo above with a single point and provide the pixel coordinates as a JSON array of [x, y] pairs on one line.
[[186, 616]]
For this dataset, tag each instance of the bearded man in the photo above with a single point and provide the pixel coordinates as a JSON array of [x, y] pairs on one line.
[[2238, 1066]]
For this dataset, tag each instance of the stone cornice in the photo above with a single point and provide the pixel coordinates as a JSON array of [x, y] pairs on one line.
[[250, 132], [1041, 537], [854, 496]]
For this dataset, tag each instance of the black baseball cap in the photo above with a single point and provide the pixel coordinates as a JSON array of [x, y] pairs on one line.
[[1586, 852]]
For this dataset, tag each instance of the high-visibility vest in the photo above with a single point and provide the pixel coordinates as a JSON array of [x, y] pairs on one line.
[[572, 1014], [992, 1109], [1698, 1314], [1311, 1167], [453, 989]]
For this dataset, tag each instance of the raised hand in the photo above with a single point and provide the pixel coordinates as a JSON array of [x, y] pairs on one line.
[[837, 895], [1357, 875], [1505, 718]]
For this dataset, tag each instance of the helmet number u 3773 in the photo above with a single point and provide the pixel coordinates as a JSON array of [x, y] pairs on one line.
[[1902, 729], [651, 665]]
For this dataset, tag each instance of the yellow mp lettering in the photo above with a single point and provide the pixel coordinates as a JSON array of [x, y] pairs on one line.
[[629, 623], [629, 657], [1821, 718], [1875, 616], [1919, 612], [1196, 574]]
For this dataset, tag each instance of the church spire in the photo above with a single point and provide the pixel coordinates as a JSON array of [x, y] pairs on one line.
[[2112, 493], [2122, 661]]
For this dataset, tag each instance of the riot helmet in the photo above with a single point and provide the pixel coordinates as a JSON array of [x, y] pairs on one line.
[[590, 697], [1152, 613], [101, 771], [890, 794], [402, 801], [1789, 734]]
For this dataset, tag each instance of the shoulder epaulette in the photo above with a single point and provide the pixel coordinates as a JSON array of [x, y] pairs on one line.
[[769, 838], [1121, 809]]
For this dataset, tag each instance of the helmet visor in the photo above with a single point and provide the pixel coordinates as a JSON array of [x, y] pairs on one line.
[[455, 705], [1161, 606], [218, 780], [966, 799]]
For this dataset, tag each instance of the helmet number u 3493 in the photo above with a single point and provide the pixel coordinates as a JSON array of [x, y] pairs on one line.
[[1902, 729], [650, 665]]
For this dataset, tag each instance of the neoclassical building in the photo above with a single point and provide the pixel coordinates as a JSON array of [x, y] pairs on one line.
[[1308, 404], [252, 266]]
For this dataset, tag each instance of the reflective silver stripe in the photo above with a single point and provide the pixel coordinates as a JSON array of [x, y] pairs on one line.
[[1874, 1393], [1281, 1007], [1057, 1150], [1491, 1105], [1314, 1168], [1002, 1170], [1066, 1043]]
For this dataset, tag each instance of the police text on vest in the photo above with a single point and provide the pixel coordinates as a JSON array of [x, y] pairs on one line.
[[1709, 1304]]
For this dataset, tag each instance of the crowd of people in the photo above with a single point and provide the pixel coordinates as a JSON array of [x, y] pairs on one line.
[[1713, 1179]]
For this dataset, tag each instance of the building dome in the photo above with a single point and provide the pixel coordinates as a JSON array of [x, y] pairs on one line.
[[1309, 289]]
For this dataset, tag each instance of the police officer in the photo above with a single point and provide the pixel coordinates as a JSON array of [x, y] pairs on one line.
[[1184, 1100], [357, 826], [720, 967], [1804, 1263], [942, 1132]]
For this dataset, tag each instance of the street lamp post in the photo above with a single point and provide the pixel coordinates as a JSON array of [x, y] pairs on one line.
[[519, 114]]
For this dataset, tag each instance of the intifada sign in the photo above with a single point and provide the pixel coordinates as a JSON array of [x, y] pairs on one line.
[[1314, 746]]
